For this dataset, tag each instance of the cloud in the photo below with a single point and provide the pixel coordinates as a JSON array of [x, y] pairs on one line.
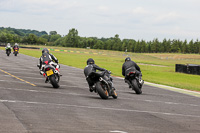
[[139, 11], [103, 8], [129, 18], [170, 17]]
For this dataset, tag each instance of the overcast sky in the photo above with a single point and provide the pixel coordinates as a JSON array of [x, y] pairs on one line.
[[130, 19]]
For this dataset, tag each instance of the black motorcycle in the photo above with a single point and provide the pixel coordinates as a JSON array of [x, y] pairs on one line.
[[8, 51], [134, 82], [53, 76], [103, 84]]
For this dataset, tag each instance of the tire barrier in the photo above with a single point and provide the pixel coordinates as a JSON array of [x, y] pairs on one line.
[[28, 47], [189, 68], [4, 45]]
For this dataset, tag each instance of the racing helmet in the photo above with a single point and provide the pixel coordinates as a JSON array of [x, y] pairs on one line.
[[45, 50], [127, 59], [90, 61]]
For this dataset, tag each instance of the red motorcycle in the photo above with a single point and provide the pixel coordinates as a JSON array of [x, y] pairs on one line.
[[16, 51]]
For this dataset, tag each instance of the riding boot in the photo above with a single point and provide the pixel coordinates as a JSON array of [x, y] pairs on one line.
[[92, 88], [128, 82], [47, 80], [140, 80]]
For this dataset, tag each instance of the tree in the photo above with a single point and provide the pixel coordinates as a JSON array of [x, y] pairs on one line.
[[32, 39], [143, 46], [191, 46], [185, 47], [117, 43], [175, 48], [52, 33], [72, 38], [131, 45], [3, 38], [41, 40], [109, 44], [155, 46], [53, 38]]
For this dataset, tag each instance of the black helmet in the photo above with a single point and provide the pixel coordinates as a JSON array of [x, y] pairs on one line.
[[45, 50], [90, 61], [127, 59]]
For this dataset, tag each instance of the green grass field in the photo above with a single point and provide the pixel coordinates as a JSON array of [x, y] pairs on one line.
[[156, 68]]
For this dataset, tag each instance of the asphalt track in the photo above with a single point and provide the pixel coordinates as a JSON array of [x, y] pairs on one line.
[[28, 105]]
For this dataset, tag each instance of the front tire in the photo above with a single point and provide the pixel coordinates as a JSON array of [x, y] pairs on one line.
[[102, 91], [53, 81], [114, 94], [136, 87]]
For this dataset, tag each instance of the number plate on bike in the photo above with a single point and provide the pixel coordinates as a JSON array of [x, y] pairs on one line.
[[50, 72]]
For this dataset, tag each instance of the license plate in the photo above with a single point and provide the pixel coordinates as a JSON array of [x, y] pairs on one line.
[[50, 72], [16, 50]]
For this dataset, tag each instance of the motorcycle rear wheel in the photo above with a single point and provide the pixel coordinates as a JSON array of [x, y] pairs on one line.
[[136, 87], [53, 81]]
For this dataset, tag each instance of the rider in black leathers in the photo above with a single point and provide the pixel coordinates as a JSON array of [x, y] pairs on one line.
[[91, 67], [16, 46], [129, 66], [47, 58]]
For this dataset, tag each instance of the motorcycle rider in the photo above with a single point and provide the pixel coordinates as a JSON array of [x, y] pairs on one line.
[[47, 58], [91, 67], [8, 47], [16, 46], [129, 66]]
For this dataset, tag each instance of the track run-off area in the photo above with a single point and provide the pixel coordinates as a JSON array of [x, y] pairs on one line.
[[29, 105]]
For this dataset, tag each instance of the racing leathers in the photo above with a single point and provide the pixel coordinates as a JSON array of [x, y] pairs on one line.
[[129, 66], [88, 70], [15, 47], [8, 48], [46, 59]]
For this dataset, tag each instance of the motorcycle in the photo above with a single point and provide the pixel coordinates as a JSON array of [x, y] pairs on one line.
[[103, 84], [8, 51], [134, 82], [16, 51], [52, 75]]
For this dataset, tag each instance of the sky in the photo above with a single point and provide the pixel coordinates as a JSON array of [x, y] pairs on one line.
[[130, 19]]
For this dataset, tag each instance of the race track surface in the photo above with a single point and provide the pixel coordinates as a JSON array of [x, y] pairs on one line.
[[29, 105]]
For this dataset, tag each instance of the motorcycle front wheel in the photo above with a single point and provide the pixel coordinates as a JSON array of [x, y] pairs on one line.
[[114, 94], [101, 90]]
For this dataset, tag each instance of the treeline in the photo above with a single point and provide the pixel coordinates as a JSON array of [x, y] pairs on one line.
[[72, 39]]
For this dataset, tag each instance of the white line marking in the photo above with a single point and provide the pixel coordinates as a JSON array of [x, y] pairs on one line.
[[77, 94], [117, 131], [100, 108]]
